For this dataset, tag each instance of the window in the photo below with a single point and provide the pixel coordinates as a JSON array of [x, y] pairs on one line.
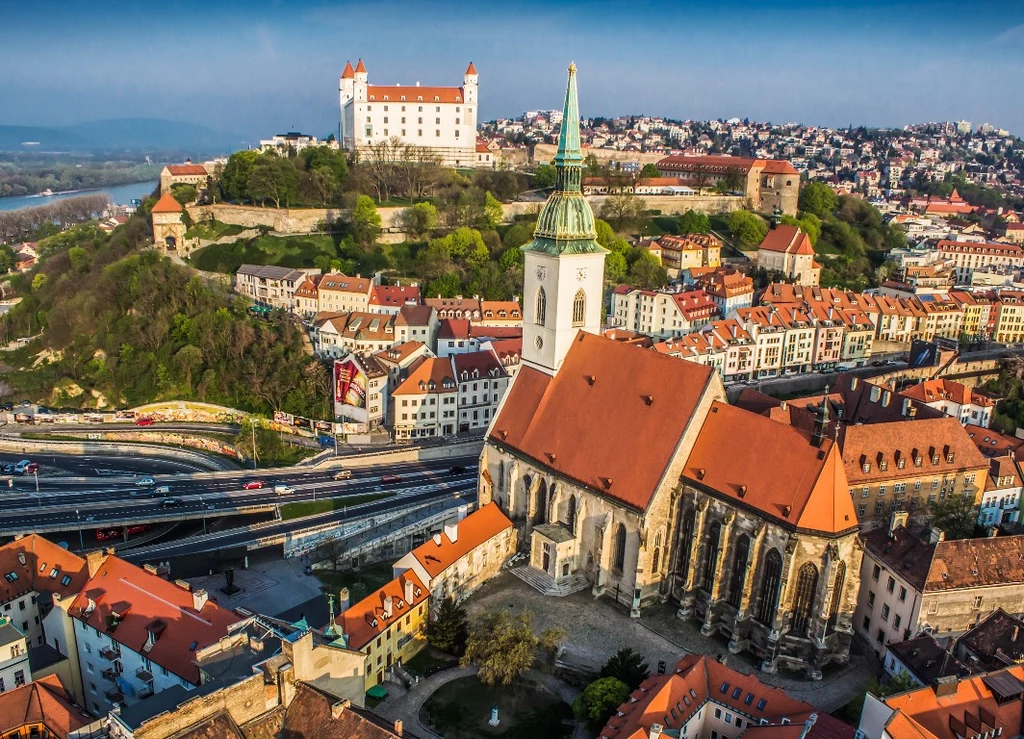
[[770, 587], [875, 572], [903, 593], [891, 585], [871, 599], [542, 307], [896, 621], [686, 542], [837, 598], [977, 601], [620, 547], [579, 304], [739, 570], [806, 585], [711, 557], [880, 637], [867, 623], [885, 612]]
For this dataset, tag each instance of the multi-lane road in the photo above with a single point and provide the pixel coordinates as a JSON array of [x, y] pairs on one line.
[[83, 503]]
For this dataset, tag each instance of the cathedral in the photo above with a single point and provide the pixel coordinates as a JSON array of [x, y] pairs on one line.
[[626, 471]]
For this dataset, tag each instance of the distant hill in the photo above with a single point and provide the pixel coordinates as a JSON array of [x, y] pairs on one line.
[[120, 134]]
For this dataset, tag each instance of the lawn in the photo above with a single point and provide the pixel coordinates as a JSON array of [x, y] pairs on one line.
[[460, 710], [287, 251], [313, 507], [428, 661], [213, 230], [360, 583]]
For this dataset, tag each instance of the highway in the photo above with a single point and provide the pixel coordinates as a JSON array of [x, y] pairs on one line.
[[74, 503], [100, 465]]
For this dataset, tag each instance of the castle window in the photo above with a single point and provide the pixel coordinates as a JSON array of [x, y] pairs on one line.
[[620, 548], [739, 570], [711, 558], [770, 587], [837, 598], [806, 585], [579, 305], [542, 307]]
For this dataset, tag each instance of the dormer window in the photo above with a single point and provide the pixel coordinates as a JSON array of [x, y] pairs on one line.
[[866, 468]]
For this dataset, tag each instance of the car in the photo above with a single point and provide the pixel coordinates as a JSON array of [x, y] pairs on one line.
[[284, 489], [107, 534], [32, 468], [145, 482], [343, 475], [170, 502], [456, 469], [877, 363], [7, 469], [892, 362], [8, 406], [143, 421], [390, 478], [253, 485], [138, 528], [26, 403], [19, 469], [161, 492]]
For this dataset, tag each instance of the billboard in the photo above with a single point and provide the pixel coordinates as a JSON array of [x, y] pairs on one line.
[[350, 385], [923, 354]]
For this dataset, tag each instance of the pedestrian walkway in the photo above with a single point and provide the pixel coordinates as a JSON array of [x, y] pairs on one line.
[[406, 704]]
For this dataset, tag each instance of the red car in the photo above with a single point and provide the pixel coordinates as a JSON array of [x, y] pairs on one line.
[[106, 534], [144, 422], [138, 529], [32, 468], [253, 485], [390, 478]]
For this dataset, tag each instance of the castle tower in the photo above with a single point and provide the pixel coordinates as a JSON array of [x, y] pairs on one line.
[[470, 81], [564, 277], [346, 91], [168, 225]]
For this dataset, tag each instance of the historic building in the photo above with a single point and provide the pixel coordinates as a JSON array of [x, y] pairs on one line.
[[611, 462], [439, 119], [788, 250], [766, 183], [168, 225]]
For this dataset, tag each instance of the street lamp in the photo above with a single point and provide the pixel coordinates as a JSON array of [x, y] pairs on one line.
[[35, 473], [81, 539], [253, 422]]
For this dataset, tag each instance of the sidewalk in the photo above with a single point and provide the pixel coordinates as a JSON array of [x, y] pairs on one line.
[[405, 704]]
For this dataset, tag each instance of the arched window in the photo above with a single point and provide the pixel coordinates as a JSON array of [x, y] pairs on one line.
[[541, 507], [837, 598], [686, 542], [501, 476], [739, 570], [579, 308], [806, 585], [571, 517], [542, 306], [619, 562], [770, 587], [714, 534]]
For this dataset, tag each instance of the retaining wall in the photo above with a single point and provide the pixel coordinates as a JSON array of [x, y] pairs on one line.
[[30, 446]]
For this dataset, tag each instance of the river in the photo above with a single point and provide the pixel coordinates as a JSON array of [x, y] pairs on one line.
[[121, 195]]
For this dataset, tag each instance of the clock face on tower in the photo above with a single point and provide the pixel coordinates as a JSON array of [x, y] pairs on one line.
[[581, 274], [542, 273]]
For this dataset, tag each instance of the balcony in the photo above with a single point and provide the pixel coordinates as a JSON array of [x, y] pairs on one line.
[[110, 674], [110, 653], [114, 695], [144, 675], [146, 692]]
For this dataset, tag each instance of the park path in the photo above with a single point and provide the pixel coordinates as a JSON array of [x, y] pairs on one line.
[[405, 704]]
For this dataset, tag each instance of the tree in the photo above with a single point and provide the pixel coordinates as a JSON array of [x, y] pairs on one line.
[[648, 171], [748, 228], [79, 259], [366, 223], [274, 178], [628, 666], [623, 210], [599, 700], [447, 285], [449, 628], [7, 259], [501, 646], [324, 157], [184, 193], [956, 515], [544, 176], [234, 180], [38, 281], [605, 233], [419, 220], [188, 359], [818, 198], [647, 272], [494, 214], [318, 186], [694, 222], [615, 267]]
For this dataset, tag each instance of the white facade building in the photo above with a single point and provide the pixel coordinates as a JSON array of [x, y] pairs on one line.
[[441, 119]]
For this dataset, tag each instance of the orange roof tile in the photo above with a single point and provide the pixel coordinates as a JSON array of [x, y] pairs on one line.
[[439, 553], [147, 604], [788, 239], [348, 72], [360, 67], [429, 375], [47, 568], [366, 619], [414, 94], [45, 701], [608, 406], [167, 204], [187, 169]]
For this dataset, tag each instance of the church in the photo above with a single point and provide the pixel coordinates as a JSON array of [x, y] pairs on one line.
[[626, 471]]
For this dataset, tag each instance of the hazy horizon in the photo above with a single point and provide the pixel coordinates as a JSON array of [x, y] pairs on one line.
[[264, 67]]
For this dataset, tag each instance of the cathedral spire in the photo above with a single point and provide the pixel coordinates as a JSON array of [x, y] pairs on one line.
[[569, 155]]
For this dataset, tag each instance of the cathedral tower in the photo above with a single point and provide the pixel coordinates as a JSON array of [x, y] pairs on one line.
[[564, 264]]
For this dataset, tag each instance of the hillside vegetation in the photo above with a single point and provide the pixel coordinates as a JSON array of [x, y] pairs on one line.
[[127, 324]]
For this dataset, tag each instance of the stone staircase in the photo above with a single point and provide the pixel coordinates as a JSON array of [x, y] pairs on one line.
[[544, 584]]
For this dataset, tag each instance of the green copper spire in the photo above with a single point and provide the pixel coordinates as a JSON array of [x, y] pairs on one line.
[[566, 223]]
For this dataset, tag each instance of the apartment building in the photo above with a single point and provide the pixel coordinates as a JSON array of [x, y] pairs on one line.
[[788, 250], [1000, 501], [270, 286], [728, 288], [391, 299], [690, 251], [1009, 317], [454, 337], [482, 384], [45, 708], [338, 334], [968, 256], [426, 402], [417, 323], [338, 293], [499, 313], [953, 399]]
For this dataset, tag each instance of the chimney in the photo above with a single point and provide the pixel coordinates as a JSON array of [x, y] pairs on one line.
[[344, 600], [388, 606], [199, 598], [936, 535], [437, 539], [946, 685], [655, 732], [452, 532], [398, 727], [150, 568], [876, 392], [898, 518], [338, 708], [408, 590], [94, 560]]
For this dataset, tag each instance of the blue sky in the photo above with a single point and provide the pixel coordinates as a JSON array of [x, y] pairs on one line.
[[258, 67]]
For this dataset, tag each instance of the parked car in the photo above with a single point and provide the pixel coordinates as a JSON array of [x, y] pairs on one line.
[[19, 469], [253, 485], [143, 421], [145, 482], [32, 468], [7, 469], [390, 478], [343, 475]]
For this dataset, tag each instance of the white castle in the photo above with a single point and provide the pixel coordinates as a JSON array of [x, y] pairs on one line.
[[442, 119]]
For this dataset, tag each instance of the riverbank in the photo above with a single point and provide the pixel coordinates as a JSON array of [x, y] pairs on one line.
[[119, 195]]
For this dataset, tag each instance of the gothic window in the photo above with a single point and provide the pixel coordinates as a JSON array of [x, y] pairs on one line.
[[739, 570], [806, 585], [571, 517], [542, 503], [837, 598], [579, 307], [501, 476], [619, 561], [770, 587], [542, 306], [686, 541], [714, 534], [656, 557]]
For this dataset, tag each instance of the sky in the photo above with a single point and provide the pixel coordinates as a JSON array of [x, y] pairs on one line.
[[259, 67]]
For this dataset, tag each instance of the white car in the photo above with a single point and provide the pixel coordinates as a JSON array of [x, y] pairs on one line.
[[145, 482]]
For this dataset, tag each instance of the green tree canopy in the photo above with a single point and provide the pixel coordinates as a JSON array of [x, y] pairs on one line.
[[366, 222], [7, 259], [649, 170], [628, 666], [494, 214], [184, 193], [748, 228], [449, 628], [615, 267], [544, 176], [956, 515], [694, 222], [419, 220], [605, 232], [647, 272], [501, 646], [624, 211], [234, 180], [817, 198], [324, 157], [598, 701]]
